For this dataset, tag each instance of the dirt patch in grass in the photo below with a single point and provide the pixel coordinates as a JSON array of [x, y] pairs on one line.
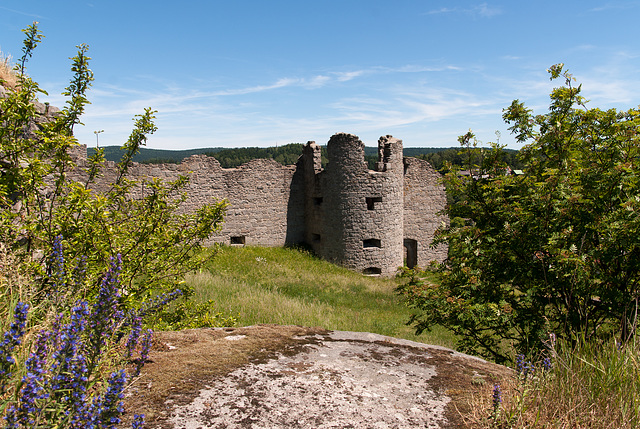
[[248, 366]]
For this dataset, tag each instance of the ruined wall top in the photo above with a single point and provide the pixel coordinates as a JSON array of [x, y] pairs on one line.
[[390, 156], [312, 154], [346, 153]]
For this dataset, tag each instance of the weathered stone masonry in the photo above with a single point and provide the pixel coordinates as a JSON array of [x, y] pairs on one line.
[[366, 220]]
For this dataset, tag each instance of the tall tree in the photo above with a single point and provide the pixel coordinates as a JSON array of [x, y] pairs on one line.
[[553, 251]]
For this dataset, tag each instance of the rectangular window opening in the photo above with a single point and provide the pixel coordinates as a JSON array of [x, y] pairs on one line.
[[317, 201], [372, 271], [371, 243], [316, 238], [371, 202], [238, 239]]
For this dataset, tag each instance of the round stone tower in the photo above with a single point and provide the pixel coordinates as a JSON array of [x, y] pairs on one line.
[[362, 208]]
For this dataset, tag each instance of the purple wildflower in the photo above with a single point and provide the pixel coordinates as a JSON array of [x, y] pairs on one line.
[[524, 368], [144, 353], [69, 365], [496, 400], [57, 264], [107, 408], [134, 336], [11, 418], [11, 340], [105, 316], [34, 383], [497, 396], [55, 388], [138, 421], [519, 364], [529, 369]]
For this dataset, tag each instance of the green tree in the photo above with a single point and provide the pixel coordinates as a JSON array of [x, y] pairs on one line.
[[553, 251]]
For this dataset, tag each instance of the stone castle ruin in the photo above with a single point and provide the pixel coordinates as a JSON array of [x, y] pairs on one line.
[[371, 221]]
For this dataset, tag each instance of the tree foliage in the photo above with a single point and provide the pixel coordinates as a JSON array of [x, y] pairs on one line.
[[553, 251]]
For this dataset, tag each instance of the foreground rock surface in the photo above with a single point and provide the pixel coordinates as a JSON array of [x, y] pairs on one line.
[[292, 377]]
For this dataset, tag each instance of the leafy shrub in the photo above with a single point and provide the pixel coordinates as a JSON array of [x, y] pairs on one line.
[[66, 365], [191, 315], [39, 203]]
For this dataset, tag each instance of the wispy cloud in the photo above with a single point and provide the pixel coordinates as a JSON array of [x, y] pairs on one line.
[[182, 112], [483, 10], [418, 103], [281, 83], [19, 12], [347, 76], [421, 69], [615, 6]]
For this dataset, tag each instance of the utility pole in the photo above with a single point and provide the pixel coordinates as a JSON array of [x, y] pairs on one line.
[[96, 133]]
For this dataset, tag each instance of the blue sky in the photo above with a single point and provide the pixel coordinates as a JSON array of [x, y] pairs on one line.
[[240, 73]]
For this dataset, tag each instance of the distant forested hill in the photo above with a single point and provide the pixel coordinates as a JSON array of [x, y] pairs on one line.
[[154, 156], [438, 158], [285, 155], [288, 154]]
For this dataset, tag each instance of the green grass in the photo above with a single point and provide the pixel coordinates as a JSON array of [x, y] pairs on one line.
[[592, 384], [292, 287]]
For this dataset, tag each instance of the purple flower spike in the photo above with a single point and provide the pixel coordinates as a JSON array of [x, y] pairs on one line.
[[134, 336], [496, 400], [144, 353], [107, 408], [497, 396], [57, 263], [11, 340]]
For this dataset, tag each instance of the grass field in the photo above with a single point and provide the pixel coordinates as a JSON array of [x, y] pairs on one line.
[[292, 287], [590, 386]]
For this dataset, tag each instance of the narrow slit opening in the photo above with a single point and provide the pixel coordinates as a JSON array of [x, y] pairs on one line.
[[371, 243]]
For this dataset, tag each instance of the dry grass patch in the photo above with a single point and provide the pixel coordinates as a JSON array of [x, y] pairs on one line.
[[7, 74]]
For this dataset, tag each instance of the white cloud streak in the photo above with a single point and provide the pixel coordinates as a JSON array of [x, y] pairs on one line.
[[615, 6], [482, 10]]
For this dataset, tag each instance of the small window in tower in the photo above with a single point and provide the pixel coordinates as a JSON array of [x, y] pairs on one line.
[[316, 238], [371, 202], [371, 242], [372, 271], [317, 201], [238, 239]]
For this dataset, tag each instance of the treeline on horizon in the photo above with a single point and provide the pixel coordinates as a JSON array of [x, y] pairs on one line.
[[288, 154]]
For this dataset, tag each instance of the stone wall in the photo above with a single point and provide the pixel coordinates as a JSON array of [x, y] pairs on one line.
[[424, 199], [266, 205], [370, 221]]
